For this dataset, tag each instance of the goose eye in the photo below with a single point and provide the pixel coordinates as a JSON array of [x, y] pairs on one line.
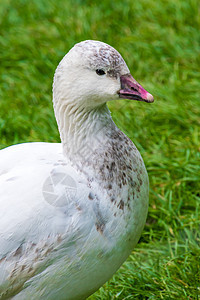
[[100, 72]]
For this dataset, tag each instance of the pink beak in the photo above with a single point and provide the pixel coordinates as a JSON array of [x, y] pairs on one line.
[[131, 89]]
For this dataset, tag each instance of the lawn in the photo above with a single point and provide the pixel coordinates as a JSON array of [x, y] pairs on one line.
[[160, 41]]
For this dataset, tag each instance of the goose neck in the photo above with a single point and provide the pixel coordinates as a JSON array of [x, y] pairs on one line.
[[82, 129]]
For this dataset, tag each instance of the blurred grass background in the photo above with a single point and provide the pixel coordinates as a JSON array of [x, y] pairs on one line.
[[160, 41]]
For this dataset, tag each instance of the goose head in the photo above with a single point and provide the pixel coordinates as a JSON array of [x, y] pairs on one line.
[[92, 73], [88, 76]]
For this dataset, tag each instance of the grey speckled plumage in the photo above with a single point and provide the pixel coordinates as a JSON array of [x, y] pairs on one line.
[[99, 55], [71, 213]]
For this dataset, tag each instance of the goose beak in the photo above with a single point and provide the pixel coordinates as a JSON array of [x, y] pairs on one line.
[[131, 89]]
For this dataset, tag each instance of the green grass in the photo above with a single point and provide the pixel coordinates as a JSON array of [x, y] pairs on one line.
[[160, 41]]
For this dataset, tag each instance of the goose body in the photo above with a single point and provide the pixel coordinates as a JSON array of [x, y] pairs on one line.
[[71, 213]]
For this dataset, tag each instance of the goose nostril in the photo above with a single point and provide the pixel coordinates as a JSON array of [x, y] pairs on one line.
[[133, 89]]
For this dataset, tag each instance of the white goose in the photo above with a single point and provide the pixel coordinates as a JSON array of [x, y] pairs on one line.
[[71, 213]]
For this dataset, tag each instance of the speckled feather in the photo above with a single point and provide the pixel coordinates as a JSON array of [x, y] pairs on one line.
[[99, 55], [67, 249]]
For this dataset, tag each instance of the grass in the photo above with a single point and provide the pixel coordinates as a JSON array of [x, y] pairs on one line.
[[160, 40]]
